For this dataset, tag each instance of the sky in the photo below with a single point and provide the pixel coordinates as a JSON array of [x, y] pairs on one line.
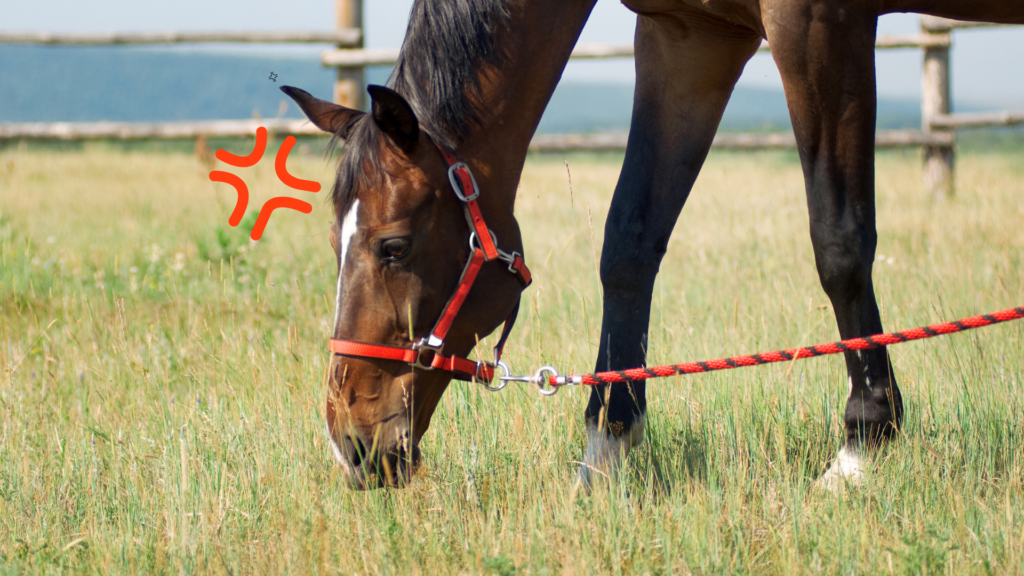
[[987, 65]]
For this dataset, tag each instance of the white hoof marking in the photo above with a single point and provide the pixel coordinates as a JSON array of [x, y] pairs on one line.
[[606, 452], [846, 469]]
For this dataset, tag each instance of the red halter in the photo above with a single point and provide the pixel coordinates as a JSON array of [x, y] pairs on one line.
[[426, 353]]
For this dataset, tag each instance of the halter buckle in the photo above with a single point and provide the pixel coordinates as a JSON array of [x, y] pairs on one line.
[[511, 259], [456, 185], [419, 348]]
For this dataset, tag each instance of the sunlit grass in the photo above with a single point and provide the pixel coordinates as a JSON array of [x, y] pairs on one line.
[[162, 388]]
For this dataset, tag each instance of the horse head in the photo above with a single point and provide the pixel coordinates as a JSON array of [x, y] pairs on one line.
[[405, 241]]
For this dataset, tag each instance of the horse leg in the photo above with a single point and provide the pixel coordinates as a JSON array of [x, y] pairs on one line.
[[687, 65], [825, 52]]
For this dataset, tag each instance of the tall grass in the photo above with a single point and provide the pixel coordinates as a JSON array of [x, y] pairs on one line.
[[162, 389]]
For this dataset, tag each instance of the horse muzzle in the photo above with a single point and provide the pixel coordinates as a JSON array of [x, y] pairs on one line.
[[368, 464]]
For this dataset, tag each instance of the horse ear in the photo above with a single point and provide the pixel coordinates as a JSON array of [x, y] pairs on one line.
[[394, 117], [325, 115]]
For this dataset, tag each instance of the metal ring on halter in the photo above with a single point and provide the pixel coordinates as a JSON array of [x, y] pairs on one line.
[[502, 381], [540, 380], [474, 240]]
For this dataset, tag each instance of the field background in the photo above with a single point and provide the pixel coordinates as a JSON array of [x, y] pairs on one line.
[[162, 386]]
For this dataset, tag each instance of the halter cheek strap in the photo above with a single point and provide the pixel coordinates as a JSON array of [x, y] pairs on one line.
[[425, 354]]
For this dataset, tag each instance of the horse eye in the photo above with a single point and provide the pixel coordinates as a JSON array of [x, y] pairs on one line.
[[394, 249]]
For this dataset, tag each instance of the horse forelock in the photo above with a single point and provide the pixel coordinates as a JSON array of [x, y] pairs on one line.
[[361, 164]]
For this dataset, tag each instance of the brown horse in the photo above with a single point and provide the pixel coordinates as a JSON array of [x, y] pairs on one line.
[[470, 85]]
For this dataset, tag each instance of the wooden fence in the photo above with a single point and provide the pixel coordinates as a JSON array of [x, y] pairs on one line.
[[937, 135]]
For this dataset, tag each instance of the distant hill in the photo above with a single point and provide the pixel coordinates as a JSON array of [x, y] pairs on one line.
[[49, 84]]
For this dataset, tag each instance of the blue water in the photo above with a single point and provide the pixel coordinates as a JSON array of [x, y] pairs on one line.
[[50, 84]]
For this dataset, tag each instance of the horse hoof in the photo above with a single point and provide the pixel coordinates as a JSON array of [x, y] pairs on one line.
[[606, 452], [846, 470], [589, 476]]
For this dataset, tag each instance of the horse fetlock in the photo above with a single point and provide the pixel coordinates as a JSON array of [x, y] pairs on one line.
[[874, 413]]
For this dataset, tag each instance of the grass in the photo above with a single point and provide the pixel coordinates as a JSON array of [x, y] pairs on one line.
[[162, 388]]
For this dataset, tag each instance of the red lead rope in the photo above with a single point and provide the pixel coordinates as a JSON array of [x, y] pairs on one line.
[[853, 344]]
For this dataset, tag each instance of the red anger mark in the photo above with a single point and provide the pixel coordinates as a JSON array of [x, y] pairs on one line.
[[282, 173], [250, 160], [273, 204], [240, 187]]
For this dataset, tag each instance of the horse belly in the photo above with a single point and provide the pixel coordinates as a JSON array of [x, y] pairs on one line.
[[745, 13], [1001, 11]]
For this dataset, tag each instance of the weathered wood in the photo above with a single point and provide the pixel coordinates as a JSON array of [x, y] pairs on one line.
[[351, 81], [388, 56], [229, 128], [935, 102], [137, 130], [912, 138], [359, 57], [966, 120], [347, 37], [730, 141], [938, 24]]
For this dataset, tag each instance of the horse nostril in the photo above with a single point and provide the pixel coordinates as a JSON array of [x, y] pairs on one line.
[[354, 450]]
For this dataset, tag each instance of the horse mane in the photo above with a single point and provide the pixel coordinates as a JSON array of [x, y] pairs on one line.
[[445, 45]]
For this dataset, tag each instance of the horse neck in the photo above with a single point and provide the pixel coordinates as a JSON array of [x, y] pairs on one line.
[[537, 43]]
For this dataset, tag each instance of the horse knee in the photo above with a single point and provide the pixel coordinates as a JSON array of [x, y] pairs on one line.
[[844, 260], [630, 262]]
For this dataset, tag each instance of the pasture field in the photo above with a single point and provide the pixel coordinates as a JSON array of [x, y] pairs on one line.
[[162, 389]]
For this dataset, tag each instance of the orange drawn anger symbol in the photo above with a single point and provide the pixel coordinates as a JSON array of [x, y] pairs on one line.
[[282, 173]]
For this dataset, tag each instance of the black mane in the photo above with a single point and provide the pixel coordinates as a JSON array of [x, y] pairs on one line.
[[445, 44]]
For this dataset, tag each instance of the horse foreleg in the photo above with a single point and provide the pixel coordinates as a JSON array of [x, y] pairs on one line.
[[687, 66], [825, 52]]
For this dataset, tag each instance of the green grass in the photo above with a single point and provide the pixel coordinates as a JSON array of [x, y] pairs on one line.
[[162, 389]]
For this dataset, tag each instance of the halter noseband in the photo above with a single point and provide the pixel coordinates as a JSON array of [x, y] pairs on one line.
[[425, 354]]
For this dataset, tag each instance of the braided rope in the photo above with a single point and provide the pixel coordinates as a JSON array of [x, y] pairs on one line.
[[853, 344]]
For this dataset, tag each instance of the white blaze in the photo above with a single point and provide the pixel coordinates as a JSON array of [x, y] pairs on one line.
[[348, 229]]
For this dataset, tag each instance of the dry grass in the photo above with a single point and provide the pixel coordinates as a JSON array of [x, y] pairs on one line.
[[162, 401]]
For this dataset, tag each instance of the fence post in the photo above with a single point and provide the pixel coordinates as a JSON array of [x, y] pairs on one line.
[[349, 87], [936, 99]]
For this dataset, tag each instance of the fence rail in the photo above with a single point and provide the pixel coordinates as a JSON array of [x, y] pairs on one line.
[[143, 130], [542, 142], [344, 37], [724, 140], [968, 120], [389, 56], [934, 24]]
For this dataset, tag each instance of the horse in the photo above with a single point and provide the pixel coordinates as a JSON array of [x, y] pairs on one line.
[[429, 252]]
